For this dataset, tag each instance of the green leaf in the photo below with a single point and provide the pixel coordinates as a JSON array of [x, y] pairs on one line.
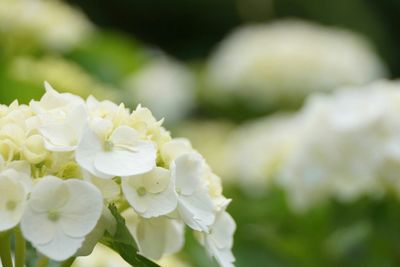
[[123, 243]]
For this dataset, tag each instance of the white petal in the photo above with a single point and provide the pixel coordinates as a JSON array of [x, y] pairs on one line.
[[66, 135], [127, 163], [49, 193], [224, 257], [61, 246], [175, 236], [150, 204], [197, 210], [83, 209], [125, 135], [187, 171], [89, 147], [157, 180], [151, 237], [15, 192], [36, 227], [109, 188], [223, 230]]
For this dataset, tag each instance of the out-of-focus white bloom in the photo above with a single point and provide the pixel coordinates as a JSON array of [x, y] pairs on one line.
[[49, 24], [347, 146], [13, 195], [120, 154], [165, 86], [256, 150], [194, 203], [267, 66], [173, 261], [151, 194], [59, 215]]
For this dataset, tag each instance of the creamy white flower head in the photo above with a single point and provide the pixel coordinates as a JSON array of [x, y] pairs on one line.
[[195, 207], [59, 215], [348, 140], [170, 81], [156, 236], [120, 154], [151, 194], [219, 241], [267, 66], [14, 189]]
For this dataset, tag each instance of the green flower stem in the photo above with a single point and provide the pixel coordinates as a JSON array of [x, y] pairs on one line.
[[5, 250], [19, 248], [42, 262], [68, 262]]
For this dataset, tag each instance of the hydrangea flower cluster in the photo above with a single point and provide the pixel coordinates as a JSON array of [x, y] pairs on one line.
[[342, 145], [67, 165], [278, 64]]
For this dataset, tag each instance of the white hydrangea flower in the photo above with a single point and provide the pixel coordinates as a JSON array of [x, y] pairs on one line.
[[194, 203], [151, 194], [171, 81], [346, 146], [156, 236], [64, 161], [122, 154], [268, 66], [59, 215], [14, 190]]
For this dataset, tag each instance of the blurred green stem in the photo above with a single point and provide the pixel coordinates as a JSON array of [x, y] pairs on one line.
[[5, 251], [42, 262], [19, 248]]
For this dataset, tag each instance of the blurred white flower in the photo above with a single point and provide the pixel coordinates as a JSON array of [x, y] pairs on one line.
[[166, 87], [347, 147], [277, 64], [59, 215], [49, 24]]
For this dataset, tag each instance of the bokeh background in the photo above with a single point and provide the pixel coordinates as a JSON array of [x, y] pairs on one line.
[[242, 79]]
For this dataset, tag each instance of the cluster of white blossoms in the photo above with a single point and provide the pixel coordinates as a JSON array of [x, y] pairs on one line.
[[267, 66], [348, 146], [342, 145], [64, 160], [49, 24], [171, 81]]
